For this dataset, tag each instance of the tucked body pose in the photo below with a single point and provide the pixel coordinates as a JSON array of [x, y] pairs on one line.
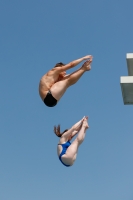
[[67, 151], [55, 82]]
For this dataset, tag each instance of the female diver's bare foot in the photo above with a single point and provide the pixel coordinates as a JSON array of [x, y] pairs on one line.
[[86, 66], [85, 123]]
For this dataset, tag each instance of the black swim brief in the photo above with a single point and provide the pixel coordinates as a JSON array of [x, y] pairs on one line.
[[49, 100]]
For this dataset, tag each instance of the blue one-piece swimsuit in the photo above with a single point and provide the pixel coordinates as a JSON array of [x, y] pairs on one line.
[[64, 148]]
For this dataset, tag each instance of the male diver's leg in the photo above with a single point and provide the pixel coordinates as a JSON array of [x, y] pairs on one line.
[[59, 88]]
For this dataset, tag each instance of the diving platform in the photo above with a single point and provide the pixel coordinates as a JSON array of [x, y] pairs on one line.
[[126, 82]]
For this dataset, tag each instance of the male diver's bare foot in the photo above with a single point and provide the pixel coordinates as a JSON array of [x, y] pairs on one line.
[[86, 66], [85, 123]]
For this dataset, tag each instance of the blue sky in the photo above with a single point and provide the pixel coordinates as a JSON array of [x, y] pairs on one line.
[[34, 36]]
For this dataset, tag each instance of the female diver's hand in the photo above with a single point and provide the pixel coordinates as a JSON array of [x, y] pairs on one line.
[[85, 117]]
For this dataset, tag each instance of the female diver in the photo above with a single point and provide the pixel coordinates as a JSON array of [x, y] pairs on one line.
[[67, 152]]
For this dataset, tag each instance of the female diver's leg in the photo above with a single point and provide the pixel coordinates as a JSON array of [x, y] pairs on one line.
[[72, 150], [59, 88]]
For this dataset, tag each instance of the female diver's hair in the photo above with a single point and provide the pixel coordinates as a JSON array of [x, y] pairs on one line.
[[59, 64], [57, 131]]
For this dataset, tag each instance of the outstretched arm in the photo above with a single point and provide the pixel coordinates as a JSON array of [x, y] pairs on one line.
[[73, 63], [74, 133], [77, 126], [74, 129]]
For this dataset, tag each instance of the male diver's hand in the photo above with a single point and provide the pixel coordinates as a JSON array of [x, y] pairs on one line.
[[88, 57]]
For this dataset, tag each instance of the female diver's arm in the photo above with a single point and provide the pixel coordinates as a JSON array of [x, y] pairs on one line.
[[74, 129], [74, 133], [73, 63], [77, 126]]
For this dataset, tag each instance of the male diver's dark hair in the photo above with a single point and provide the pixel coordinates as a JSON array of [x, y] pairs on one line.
[[59, 64], [57, 131]]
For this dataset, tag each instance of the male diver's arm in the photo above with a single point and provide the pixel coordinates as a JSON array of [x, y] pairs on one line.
[[73, 63]]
